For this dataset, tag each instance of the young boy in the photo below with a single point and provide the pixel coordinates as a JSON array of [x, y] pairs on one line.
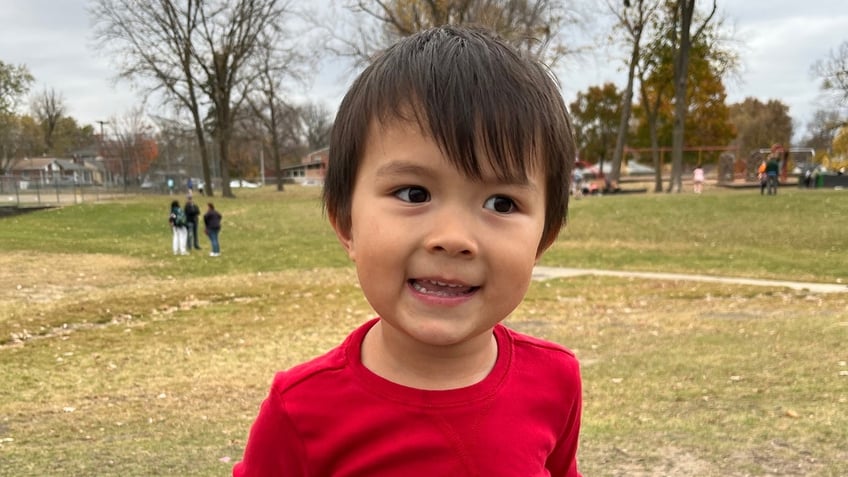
[[448, 179]]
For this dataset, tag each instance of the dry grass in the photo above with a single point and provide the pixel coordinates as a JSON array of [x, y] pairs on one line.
[[140, 364]]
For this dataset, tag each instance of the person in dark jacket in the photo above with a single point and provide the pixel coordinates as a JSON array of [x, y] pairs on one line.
[[772, 170], [212, 221], [192, 213]]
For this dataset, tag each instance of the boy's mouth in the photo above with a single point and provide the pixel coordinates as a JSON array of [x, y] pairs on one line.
[[442, 289]]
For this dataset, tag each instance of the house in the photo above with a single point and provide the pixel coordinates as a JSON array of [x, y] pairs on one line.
[[311, 170], [50, 171], [90, 158]]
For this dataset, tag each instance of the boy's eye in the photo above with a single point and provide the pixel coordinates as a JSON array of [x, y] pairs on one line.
[[500, 204], [413, 194]]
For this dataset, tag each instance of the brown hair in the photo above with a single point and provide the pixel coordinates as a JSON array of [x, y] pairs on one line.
[[475, 96]]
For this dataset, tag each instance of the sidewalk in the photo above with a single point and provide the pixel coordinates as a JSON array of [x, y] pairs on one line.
[[545, 273]]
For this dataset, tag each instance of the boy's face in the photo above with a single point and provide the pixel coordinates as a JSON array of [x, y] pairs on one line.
[[440, 257]]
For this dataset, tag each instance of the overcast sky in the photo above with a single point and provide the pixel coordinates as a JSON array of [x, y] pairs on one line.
[[778, 41]]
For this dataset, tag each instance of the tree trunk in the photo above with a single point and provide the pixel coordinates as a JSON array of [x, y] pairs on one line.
[[655, 152], [204, 152], [652, 114], [275, 146], [223, 157], [635, 30], [681, 68], [615, 170]]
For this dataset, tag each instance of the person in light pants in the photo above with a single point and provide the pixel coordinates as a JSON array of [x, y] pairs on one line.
[[178, 227]]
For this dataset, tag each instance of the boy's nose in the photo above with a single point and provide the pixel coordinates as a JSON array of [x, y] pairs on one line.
[[453, 234]]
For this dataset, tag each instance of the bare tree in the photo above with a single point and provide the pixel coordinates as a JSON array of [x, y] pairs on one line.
[[48, 107], [632, 21], [822, 129], [177, 144], [232, 36], [197, 53], [282, 127], [537, 27], [317, 123], [833, 72], [279, 119], [153, 43]]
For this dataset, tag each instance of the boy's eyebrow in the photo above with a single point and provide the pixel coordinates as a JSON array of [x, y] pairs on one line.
[[403, 167], [394, 168]]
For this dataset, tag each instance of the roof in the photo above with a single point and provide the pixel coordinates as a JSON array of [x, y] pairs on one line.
[[43, 163], [69, 165], [28, 164]]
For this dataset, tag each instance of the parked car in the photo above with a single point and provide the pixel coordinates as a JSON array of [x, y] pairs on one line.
[[240, 183], [635, 168], [631, 167]]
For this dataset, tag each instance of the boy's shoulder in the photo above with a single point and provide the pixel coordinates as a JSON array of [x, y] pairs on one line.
[[322, 370], [538, 344], [545, 354], [321, 367]]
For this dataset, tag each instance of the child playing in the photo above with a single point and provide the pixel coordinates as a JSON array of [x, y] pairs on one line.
[[698, 179], [448, 178]]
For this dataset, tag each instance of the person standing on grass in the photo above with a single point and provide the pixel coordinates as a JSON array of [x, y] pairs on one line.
[[761, 175], [192, 213], [772, 170], [177, 220], [577, 183], [212, 223], [444, 216], [698, 179]]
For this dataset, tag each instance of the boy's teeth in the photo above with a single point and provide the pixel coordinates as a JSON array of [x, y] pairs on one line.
[[436, 287], [442, 284]]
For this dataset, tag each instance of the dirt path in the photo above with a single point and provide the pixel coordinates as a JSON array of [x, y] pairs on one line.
[[545, 273]]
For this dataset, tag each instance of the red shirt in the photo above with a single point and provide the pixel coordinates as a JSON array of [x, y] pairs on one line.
[[333, 417]]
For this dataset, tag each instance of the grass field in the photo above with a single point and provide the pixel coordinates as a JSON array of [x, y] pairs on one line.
[[119, 359]]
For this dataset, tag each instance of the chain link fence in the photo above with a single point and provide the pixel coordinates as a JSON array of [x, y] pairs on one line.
[[16, 193]]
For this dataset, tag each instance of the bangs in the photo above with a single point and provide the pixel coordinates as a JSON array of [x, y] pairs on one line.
[[469, 98]]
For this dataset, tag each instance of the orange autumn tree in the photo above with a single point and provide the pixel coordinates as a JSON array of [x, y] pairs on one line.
[[131, 148], [146, 153]]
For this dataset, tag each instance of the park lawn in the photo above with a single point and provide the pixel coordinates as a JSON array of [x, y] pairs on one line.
[[796, 235], [118, 358]]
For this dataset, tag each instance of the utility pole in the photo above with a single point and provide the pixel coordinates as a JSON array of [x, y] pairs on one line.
[[101, 123], [101, 151]]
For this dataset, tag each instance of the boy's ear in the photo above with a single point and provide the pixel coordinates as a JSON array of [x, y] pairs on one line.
[[543, 247], [344, 235], [541, 251]]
